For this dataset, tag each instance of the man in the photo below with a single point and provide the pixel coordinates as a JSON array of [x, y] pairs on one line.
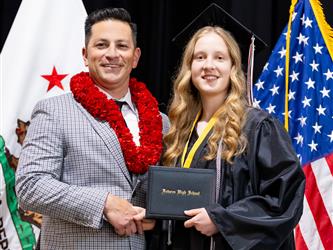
[[85, 158]]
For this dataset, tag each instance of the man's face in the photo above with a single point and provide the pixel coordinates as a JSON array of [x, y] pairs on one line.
[[110, 54]]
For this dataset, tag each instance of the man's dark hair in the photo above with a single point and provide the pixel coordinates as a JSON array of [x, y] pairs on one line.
[[119, 14]]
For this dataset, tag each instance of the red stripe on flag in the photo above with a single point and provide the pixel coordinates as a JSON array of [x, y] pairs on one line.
[[300, 243], [319, 212], [329, 160]]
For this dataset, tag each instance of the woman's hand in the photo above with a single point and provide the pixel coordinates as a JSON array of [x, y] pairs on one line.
[[200, 221], [148, 224]]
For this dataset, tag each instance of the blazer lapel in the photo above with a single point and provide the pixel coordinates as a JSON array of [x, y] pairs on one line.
[[108, 136]]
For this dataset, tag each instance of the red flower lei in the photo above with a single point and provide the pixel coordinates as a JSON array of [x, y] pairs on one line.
[[137, 158]]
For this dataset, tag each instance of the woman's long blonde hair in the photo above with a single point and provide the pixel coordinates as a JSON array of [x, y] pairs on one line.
[[186, 104]]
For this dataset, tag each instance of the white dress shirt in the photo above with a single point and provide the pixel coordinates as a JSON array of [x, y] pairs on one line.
[[130, 114]]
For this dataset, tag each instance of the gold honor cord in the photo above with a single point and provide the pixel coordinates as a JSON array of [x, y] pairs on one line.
[[198, 142]]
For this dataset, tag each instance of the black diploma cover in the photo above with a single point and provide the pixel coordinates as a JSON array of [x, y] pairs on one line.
[[172, 190]]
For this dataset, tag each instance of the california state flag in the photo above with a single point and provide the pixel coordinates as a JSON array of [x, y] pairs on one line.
[[41, 53]]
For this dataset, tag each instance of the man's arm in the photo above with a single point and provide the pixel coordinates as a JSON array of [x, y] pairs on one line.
[[38, 177]]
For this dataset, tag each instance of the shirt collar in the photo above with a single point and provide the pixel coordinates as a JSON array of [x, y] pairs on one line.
[[127, 98]]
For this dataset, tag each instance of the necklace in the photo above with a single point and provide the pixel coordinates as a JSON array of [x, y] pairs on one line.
[[137, 158]]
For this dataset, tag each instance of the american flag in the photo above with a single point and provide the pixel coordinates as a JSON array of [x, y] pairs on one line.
[[303, 66]]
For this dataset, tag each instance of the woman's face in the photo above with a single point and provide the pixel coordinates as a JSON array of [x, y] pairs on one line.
[[211, 66]]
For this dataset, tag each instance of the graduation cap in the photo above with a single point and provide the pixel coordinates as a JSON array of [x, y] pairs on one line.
[[215, 15]]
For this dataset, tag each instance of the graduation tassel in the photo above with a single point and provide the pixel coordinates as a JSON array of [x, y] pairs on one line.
[[249, 74], [169, 232], [212, 243], [218, 170], [218, 183]]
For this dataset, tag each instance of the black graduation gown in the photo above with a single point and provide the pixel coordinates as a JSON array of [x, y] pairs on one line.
[[261, 195]]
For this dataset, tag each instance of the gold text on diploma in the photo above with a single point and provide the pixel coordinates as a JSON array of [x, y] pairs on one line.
[[166, 191]]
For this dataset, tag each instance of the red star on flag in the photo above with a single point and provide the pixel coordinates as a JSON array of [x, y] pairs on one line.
[[54, 79]]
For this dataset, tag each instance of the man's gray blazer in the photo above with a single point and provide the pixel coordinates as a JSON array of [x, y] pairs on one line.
[[69, 163]]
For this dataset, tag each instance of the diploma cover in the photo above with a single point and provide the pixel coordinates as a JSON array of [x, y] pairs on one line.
[[172, 190]]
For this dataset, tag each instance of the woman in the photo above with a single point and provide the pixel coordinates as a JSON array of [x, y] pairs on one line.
[[261, 183]]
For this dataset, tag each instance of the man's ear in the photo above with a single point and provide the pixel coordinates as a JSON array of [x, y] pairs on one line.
[[85, 56], [137, 54]]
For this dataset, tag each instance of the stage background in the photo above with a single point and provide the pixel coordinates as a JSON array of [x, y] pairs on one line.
[[160, 20]]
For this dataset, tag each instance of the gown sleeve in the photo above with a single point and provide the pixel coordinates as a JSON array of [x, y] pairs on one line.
[[265, 218]]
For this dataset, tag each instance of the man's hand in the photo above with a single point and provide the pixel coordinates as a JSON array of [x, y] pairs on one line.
[[120, 213], [201, 221], [147, 224]]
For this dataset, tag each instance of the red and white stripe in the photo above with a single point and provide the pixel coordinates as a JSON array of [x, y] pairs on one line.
[[315, 229]]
